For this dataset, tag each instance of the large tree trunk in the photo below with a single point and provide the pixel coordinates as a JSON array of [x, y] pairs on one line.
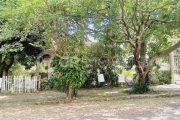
[[140, 59], [5, 72], [143, 76]]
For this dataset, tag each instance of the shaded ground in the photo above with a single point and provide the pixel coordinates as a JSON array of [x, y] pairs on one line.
[[51, 105], [93, 109]]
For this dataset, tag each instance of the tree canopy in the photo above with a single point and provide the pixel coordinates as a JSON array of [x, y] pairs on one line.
[[18, 43], [145, 29]]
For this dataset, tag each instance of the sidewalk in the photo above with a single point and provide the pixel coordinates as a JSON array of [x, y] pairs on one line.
[[166, 87]]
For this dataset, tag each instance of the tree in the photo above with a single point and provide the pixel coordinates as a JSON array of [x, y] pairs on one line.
[[18, 43], [14, 49], [139, 24], [50, 21], [65, 38], [142, 26], [105, 57], [70, 72]]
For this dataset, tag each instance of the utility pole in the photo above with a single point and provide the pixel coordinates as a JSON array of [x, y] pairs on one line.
[[172, 67]]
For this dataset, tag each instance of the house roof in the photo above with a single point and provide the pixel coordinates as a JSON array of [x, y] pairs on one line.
[[45, 52]]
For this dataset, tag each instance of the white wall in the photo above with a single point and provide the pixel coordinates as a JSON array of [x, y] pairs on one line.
[[164, 66], [176, 77]]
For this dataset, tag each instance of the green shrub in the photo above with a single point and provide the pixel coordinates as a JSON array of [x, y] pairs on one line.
[[160, 77], [140, 87], [110, 76], [165, 77], [155, 81], [47, 84], [57, 83], [70, 72]]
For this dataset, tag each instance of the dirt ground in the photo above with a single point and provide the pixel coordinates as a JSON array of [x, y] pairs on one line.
[[51, 105], [13, 100]]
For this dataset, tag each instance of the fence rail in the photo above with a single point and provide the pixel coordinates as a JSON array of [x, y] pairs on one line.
[[20, 84]]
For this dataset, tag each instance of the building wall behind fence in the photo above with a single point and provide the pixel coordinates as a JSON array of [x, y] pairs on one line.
[[20, 84]]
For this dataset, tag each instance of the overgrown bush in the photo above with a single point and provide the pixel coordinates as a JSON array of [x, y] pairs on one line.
[[160, 77], [111, 78], [47, 84], [57, 83], [140, 87], [104, 58]]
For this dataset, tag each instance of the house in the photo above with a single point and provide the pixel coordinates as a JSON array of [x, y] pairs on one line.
[[45, 58], [173, 65], [176, 67]]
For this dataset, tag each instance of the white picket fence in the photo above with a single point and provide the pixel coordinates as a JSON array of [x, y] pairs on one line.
[[20, 84]]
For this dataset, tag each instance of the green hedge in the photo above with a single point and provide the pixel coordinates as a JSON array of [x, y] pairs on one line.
[[160, 77]]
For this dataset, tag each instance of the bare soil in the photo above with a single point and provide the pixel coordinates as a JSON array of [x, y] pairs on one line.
[[31, 107]]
